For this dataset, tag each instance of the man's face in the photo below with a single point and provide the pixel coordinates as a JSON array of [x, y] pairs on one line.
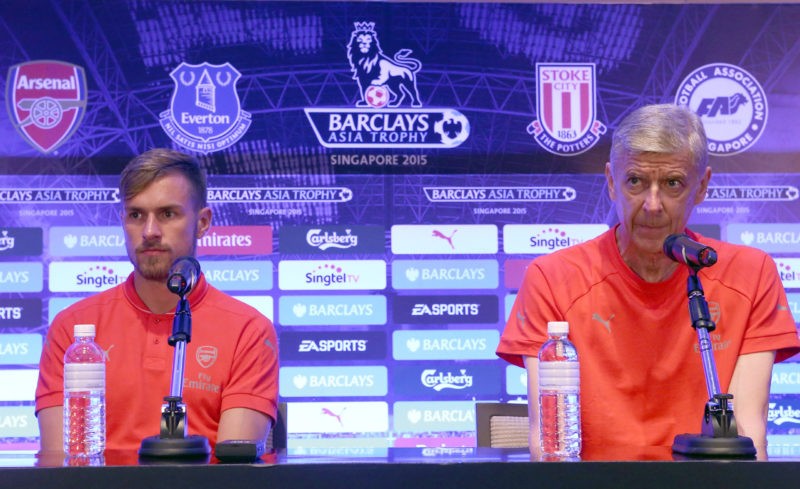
[[161, 224], [654, 195]]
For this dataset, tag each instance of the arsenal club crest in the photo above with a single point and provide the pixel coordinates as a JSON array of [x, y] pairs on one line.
[[46, 101], [204, 113], [565, 108]]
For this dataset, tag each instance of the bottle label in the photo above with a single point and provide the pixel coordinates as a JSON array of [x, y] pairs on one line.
[[559, 376], [84, 376]]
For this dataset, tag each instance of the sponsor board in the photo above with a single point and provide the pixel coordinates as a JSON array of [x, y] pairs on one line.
[[46, 101], [421, 417], [342, 239], [337, 417], [446, 380], [789, 272], [20, 313], [332, 274], [333, 381], [75, 195], [751, 193], [316, 310], [58, 304], [87, 241], [21, 242], [239, 275], [794, 305], [500, 194], [18, 422], [566, 122], [541, 239], [87, 276], [445, 274], [444, 239], [282, 195], [236, 240], [20, 349], [516, 381], [772, 238], [263, 304], [21, 277], [785, 378], [731, 103], [478, 344], [333, 346], [18, 384], [783, 414], [445, 309], [508, 302]]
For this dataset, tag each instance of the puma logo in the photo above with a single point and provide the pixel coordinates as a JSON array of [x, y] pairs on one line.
[[330, 413], [605, 322], [106, 358], [438, 234]]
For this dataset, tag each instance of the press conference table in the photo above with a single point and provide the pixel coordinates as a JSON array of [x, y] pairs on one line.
[[407, 468]]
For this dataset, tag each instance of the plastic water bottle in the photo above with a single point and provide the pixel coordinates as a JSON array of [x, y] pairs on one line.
[[84, 395], [559, 394]]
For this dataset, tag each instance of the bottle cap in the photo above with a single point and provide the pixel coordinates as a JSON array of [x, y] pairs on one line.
[[83, 330], [557, 327]]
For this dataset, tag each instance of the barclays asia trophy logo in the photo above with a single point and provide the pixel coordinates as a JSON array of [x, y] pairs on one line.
[[204, 113], [730, 102], [46, 101], [566, 108], [389, 111]]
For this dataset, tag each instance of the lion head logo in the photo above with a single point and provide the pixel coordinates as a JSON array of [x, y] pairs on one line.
[[377, 74]]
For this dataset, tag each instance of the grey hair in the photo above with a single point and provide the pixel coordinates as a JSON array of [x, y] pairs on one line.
[[662, 128]]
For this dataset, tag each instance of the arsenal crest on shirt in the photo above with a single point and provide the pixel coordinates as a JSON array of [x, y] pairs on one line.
[[46, 101]]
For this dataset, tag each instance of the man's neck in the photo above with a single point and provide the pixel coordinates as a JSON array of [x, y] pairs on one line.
[[656, 268], [155, 294]]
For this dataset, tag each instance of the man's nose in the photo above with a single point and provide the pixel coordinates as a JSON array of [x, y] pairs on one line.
[[151, 228], [652, 201]]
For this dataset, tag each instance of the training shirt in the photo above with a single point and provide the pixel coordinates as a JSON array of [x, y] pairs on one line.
[[642, 378], [231, 361]]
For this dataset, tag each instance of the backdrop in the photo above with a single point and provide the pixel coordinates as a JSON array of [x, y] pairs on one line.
[[380, 174]]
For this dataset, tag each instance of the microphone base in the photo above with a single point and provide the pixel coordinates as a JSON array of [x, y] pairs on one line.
[[188, 447], [707, 446]]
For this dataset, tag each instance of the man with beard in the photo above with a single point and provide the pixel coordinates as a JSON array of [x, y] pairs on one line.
[[231, 371]]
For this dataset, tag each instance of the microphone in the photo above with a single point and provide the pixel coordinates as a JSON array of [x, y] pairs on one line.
[[683, 249], [183, 275]]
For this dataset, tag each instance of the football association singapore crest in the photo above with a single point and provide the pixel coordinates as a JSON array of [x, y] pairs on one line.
[[204, 113], [566, 108], [388, 111], [732, 104], [46, 101]]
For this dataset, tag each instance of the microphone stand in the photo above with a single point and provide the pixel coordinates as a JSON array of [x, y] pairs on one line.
[[173, 441], [719, 436]]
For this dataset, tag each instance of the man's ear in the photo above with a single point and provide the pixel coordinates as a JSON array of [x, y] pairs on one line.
[[701, 191], [610, 182], [203, 221]]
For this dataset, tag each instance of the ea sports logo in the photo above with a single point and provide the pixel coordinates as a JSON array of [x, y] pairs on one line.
[[731, 103], [377, 96]]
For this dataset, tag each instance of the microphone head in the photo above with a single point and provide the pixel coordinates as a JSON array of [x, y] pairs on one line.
[[669, 243], [183, 275]]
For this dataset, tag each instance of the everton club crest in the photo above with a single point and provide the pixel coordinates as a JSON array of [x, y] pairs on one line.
[[565, 107], [46, 101], [204, 113]]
